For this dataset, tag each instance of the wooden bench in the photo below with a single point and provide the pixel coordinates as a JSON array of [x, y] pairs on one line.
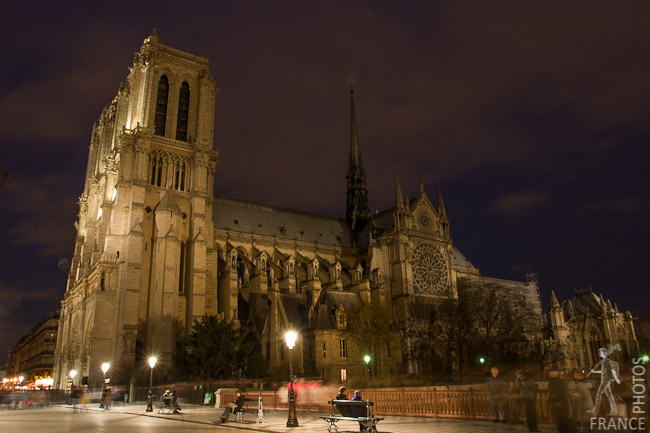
[[259, 411], [368, 420]]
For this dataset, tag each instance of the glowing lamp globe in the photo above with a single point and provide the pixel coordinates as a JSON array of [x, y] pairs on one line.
[[366, 359], [152, 361], [73, 373], [290, 337], [105, 367]]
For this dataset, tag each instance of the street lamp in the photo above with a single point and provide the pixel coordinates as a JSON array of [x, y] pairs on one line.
[[366, 359], [292, 421], [152, 364], [73, 373], [481, 360], [105, 367]]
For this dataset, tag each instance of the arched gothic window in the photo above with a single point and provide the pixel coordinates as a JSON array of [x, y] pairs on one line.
[[156, 170], [161, 106], [183, 111], [182, 182], [180, 172]]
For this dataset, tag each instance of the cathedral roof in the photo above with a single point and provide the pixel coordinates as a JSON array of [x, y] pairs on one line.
[[329, 301], [247, 217], [459, 258], [296, 309], [586, 300]]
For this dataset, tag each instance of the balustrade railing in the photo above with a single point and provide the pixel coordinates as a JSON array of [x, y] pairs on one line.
[[459, 404]]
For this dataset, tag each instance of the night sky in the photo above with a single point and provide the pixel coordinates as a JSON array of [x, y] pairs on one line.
[[533, 117]]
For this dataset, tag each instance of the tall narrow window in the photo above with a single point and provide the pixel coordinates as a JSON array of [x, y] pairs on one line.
[[324, 351], [343, 348], [183, 110], [161, 106], [182, 184], [177, 175], [159, 174], [153, 170], [181, 276]]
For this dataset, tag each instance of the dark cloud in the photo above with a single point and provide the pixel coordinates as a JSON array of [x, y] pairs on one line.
[[518, 202], [533, 117]]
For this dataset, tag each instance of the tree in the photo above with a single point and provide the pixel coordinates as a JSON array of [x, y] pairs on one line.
[[485, 320], [545, 352], [371, 328], [211, 351]]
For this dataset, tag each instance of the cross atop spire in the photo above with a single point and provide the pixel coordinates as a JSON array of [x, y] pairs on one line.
[[357, 209]]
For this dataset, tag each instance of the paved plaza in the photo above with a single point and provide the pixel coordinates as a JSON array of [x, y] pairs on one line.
[[134, 418]]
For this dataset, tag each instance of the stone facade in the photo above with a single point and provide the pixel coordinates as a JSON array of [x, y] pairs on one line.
[[587, 322], [156, 249]]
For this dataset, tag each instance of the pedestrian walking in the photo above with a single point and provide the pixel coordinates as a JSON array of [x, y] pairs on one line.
[[496, 388], [528, 393], [558, 401], [108, 398]]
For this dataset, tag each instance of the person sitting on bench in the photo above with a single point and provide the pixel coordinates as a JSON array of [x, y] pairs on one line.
[[176, 406], [345, 410], [233, 406], [359, 411]]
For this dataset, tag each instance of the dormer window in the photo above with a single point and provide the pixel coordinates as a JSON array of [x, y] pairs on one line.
[[341, 318]]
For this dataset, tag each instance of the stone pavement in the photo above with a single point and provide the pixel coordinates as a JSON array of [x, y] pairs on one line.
[[275, 421]]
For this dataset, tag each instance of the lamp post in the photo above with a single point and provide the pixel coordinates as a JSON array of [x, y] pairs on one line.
[[152, 364], [105, 367], [366, 359], [292, 421]]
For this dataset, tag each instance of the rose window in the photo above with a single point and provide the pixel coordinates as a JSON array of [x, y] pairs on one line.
[[430, 273], [424, 221]]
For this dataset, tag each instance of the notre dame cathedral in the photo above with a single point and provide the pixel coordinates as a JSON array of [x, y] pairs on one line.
[[155, 249]]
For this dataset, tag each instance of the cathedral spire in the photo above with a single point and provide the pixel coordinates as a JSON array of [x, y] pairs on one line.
[[357, 195], [555, 305], [399, 203], [441, 207]]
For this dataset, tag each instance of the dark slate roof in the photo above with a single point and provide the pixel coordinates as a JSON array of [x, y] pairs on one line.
[[296, 310], [381, 222], [459, 258], [586, 299], [246, 217], [329, 301]]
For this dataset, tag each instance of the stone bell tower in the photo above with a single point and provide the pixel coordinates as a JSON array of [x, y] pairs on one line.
[[143, 265]]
